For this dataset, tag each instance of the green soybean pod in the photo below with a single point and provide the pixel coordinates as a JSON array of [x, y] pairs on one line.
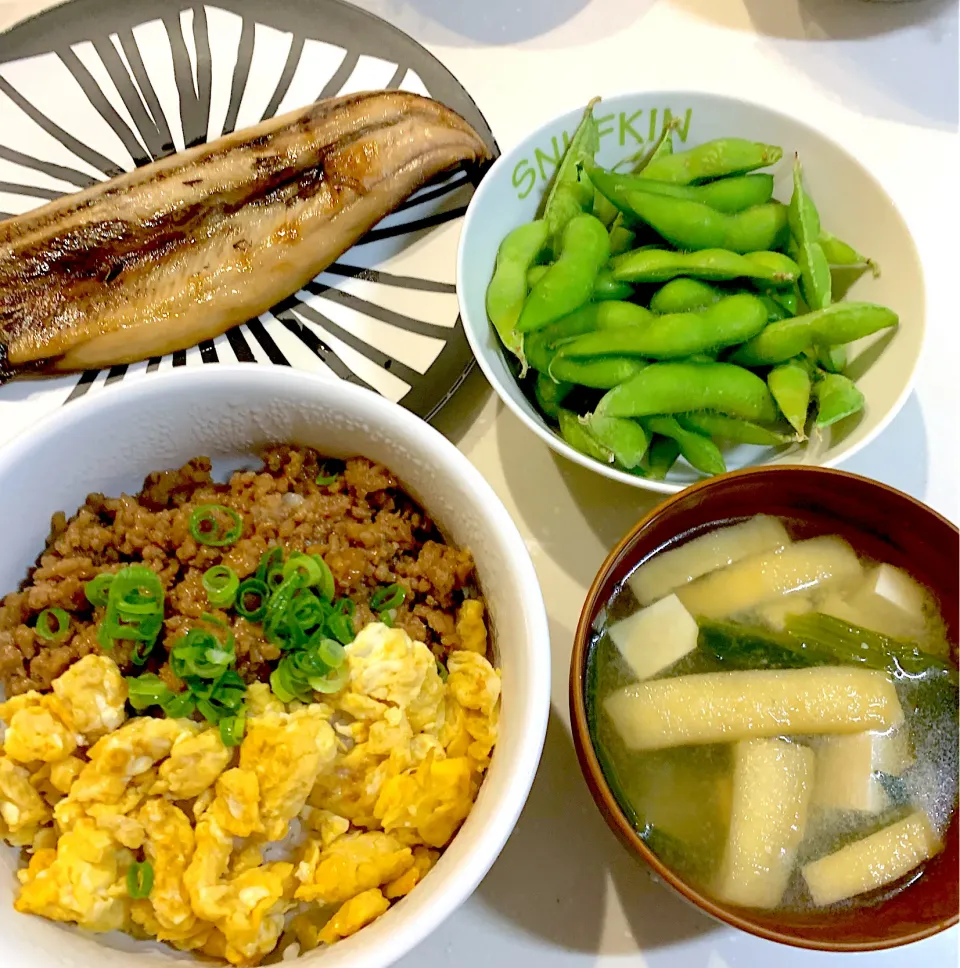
[[815, 280], [684, 295], [606, 287], [621, 238], [788, 298], [775, 311], [662, 147], [599, 374], [726, 323], [579, 437], [713, 159], [842, 255], [625, 439], [833, 359], [535, 274], [550, 394], [661, 457], [540, 346], [699, 451], [568, 283], [568, 196], [661, 265], [731, 428], [508, 287], [603, 208], [789, 384], [837, 397], [729, 195], [664, 388], [840, 323], [693, 226]]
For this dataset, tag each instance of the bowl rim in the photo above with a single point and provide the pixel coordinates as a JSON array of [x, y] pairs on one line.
[[485, 846], [474, 328], [590, 764]]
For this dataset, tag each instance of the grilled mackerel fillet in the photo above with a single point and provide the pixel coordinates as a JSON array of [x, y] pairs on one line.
[[181, 250]]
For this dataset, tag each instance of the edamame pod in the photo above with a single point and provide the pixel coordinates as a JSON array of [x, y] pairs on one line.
[[790, 385], [508, 287], [568, 283], [664, 388], [775, 312], [788, 298], [731, 428], [603, 208], [684, 295], [540, 346], [733, 320], [837, 397], [842, 255], [729, 195], [599, 374], [660, 265], [621, 238], [694, 226], [815, 281], [550, 394], [700, 452], [605, 287], [567, 195], [579, 437], [713, 159], [661, 457], [833, 359], [626, 439], [840, 323]]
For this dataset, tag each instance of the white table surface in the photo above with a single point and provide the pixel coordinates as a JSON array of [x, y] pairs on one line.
[[882, 79]]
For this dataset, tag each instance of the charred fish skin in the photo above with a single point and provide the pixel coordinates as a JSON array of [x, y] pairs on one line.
[[179, 251]]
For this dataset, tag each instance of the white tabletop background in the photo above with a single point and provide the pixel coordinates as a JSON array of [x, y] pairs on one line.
[[880, 78]]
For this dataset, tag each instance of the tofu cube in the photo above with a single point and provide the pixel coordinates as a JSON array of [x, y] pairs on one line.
[[655, 637]]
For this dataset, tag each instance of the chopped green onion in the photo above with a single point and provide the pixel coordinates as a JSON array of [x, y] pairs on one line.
[[304, 565], [134, 610], [146, 690], [252, 588], [389, 618], [332, 653], [279, 690], [140, 879], [269, 560], [326, 586], [341, 628], [140, 652], [98, 589], [388, 598], [201, 654], [232, 728], [60, 631], [442, 669], [178, 705], [333, 681], [324, 479], [207, 527], [220, 583]]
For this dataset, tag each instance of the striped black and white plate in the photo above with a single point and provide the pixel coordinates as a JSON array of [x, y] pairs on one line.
[[97, 87]]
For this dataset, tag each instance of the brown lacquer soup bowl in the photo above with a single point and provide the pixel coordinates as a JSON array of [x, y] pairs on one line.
[[881, 524]]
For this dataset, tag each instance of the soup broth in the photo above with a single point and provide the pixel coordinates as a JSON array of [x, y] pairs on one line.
[[778, 717]]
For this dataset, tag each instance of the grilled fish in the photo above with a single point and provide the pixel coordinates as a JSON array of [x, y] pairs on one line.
[[180, 250]]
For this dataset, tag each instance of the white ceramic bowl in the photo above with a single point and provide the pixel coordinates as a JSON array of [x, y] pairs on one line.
[[852, 205], [109, 442]]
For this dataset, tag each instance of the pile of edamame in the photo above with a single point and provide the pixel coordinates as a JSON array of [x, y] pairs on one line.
[[656, 312]]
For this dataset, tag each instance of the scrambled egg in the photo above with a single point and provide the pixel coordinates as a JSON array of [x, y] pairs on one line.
[[325, 815]]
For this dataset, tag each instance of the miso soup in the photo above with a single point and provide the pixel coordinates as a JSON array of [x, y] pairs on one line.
[[778, 717]]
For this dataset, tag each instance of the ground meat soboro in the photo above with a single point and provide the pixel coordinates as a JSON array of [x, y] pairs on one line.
[[367, 528]]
